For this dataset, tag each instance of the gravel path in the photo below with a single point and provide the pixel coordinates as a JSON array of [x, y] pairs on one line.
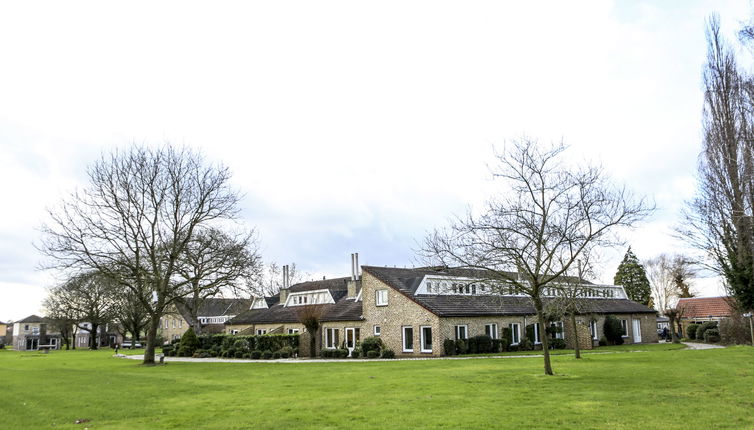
[[694, 345]]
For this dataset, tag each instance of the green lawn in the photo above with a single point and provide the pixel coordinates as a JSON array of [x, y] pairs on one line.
[[661, 388]]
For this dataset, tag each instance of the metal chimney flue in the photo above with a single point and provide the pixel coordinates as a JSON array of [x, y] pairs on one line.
[[356, 266]]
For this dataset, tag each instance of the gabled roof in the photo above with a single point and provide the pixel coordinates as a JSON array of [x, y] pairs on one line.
[[215, 307], [343, 309], [407, 281], [33, 319], [704, 307]]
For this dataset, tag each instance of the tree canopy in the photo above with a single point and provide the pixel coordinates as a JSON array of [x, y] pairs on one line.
[[633, 277]]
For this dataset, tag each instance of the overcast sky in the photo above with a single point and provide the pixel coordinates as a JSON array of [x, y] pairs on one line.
[[350, 126]]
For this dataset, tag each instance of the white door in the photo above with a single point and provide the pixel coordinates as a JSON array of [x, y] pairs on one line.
[[637, 331]]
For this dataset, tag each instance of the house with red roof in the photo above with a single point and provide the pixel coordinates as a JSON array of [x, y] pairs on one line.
[[702, 309]]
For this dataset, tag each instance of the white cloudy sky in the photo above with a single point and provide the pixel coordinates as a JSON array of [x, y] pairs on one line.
[[350, 126]]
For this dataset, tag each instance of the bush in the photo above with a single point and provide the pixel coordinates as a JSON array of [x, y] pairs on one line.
[[691, 330], [449, 346], [246, 355], [356, 353], [461, 347], [189, 342], [266, 354], [388, 353], [372, 343], [613, 330], [526, 345], [497, 345], [256, 354], [603, 341], [276, 355], [712, 335], [238, 354], [505, 344], [185, 352], [557, 344], [286, 352], [482, 344], [735, 330], [373, 354], [703, 327], [241, 345], [167, 348]]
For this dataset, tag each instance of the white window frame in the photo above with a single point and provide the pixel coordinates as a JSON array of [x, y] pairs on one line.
[[537, 339], [515, 334], [422, 339], [624, 326], [377, 330], [560, 334], [492, 329], [261, 331], [465, 331], [293, 331], [593, 327], [234, 332], [380, 297], [404, 338], [35, 330], [330, 341]]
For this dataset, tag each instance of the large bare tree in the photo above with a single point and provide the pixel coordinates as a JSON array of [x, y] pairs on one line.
[[719, 221], [136, 218], [670, 277], [545, 217], [216, 263]]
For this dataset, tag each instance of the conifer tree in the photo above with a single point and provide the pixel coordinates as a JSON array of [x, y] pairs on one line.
[[632, 276]]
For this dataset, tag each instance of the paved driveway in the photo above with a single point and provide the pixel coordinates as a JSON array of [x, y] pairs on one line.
[[694, 345]]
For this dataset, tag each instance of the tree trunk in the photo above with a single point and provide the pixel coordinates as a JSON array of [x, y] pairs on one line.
[[576, 348], [313, 344], [154, 322], [543, 336], [673, 334], [93, 337]]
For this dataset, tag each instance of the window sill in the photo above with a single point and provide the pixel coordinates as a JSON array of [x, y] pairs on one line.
[[408, 350], [380, 306], [424, 351]]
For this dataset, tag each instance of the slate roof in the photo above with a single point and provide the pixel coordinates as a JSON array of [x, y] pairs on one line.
[[215, 307], [407, 281], [343, 309], [33, 319], [704, 307]]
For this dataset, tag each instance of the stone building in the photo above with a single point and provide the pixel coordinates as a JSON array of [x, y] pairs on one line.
[[212, 314], [33, 332], [414, 310]]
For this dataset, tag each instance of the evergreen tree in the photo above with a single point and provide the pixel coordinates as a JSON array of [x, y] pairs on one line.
[[632, 276]]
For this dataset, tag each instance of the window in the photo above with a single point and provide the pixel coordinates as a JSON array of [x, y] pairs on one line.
[[292, 330], [381, 297], [166, 323], [261, 331], [624, 327], [408, 339], [491, 330], [35, 330], [331, 338], [557, 329], [515, 333], [26, 327], [429, 287], [537, 340], [377, 330], [593, 329], [426, 338], [234, 332], [174, 323], [180, 323], [462, 331]]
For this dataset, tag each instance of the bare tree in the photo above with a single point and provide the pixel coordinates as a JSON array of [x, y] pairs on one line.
[[134, 220], [670, 277], [87, 300], [272, 279], [130, 316], [674, 314], [546, 217], [719, 221], [310, 317], [62, 318], [215, 262]]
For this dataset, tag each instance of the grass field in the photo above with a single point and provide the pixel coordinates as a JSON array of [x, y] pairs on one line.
[[661, 388]]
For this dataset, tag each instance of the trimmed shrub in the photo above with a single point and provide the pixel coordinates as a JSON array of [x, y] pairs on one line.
[[356, 353], [613, 330], [703, 327], [505, 344], [603, 341], [276, 355], [341, 353], [241, 345], [712, 335], [497, 345], [256, 354], [246, 355], [372, 343], [557, 344], [526, 345], [449, 346], [388, 353], [266, 354], [238, 354], [483, 344], [691, 330], [373, 354], [286, 352], [461, 347], [189, 342], [167, 348]]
